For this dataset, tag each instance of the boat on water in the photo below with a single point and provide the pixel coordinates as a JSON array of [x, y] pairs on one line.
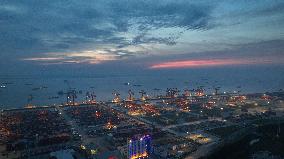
[[127, 83], [53, 97], [3, 86], [7, 83], [35, 89], [39, 88], [60, 93]]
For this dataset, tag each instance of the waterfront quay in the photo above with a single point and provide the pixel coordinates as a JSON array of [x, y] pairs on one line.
[[191, 125]]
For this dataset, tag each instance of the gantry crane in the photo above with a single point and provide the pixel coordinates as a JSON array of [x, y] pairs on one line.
[[130, 95], [116, 98], [143, 93]]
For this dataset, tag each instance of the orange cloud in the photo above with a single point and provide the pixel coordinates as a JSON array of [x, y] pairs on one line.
[[207, 63], [91, 57]]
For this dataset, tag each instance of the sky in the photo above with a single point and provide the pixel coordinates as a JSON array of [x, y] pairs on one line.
[[63, 35]]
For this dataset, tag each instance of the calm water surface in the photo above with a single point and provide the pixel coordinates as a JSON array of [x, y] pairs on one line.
[[44, 88]]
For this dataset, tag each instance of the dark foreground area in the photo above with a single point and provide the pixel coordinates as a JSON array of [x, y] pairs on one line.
[[266, 142]]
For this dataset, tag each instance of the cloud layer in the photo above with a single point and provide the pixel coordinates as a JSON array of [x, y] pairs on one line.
[[35, 27], [72, 31]]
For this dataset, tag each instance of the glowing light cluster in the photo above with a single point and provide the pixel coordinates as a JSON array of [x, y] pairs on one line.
[[139, 155]]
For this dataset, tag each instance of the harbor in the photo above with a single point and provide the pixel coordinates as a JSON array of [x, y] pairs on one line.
[[190, 124], [141, 79]]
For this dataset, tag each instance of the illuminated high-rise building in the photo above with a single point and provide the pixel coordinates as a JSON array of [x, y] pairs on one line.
[[139, 147]]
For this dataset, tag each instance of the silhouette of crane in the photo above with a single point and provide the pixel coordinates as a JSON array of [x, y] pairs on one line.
[[71, 96], [172, 92], [142, 92], [156, 90], [130, 95], [116, 98], [216, 90], [30, 99], [186, 93], [93, 97]]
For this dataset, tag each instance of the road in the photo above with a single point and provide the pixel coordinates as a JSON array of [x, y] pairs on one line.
[[73, 124], [193, 123]]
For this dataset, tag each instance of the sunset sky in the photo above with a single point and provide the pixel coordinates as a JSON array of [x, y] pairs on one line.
[[150, 34]]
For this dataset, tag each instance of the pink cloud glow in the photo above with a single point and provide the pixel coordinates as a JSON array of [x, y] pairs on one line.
[[207, 63]]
